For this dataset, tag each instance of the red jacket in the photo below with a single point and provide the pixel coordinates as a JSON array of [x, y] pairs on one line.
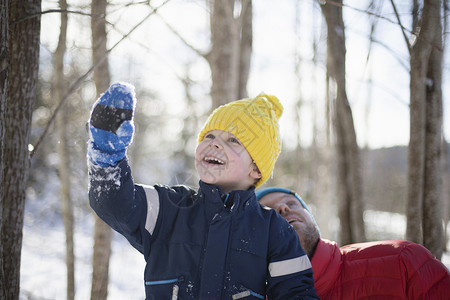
[[378, 270]]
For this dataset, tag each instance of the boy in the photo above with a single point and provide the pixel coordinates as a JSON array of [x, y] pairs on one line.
[[214, 243]]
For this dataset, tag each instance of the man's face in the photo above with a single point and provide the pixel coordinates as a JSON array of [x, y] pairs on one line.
[[298, 217]]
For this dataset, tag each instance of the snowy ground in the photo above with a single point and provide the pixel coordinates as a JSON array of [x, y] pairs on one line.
[[43, 274], [43, 271]]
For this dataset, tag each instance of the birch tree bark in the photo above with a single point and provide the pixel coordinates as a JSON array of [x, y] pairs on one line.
[[349, 192], [424, 203], [24, 30], [59, 89], [102, 232]]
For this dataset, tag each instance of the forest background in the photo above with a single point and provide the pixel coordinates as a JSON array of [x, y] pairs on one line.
[[160, 47]]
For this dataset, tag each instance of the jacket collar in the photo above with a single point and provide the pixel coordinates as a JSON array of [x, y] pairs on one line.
[[216, 200], [326, 264]]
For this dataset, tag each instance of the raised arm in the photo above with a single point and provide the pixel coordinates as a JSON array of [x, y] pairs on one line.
[[112, 193]]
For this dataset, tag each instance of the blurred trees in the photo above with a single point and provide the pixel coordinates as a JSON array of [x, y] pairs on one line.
[[24, 32], [424, 201], [60, 87], [4, 66], [446, 190], [231, 47], [102, 232], [229, 59], [348, 173]]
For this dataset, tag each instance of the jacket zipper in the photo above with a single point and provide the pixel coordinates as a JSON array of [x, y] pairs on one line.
[[246, 294], [175, 282]]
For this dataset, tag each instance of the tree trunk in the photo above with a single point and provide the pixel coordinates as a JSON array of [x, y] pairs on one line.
[[223, 58], [102, 75], [23, 75], [245, 50], [102, 232], [349, 183], [424, 203], [102, 252], [184, 157], [66, 201], [59, 88], [320, 147], [415, 15], [446, 191], [4, 68]]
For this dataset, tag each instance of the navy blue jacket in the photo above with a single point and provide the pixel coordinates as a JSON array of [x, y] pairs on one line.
[[199, 247]]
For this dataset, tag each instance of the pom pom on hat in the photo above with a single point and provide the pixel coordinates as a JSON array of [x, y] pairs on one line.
[[254, 121]]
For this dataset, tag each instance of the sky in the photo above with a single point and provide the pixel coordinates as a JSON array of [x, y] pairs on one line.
[[380, 110], [152, 56]]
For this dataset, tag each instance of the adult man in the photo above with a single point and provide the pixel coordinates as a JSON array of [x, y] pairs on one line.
[[374, 270]]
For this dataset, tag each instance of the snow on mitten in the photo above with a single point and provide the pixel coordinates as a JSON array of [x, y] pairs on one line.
[[111, 125]]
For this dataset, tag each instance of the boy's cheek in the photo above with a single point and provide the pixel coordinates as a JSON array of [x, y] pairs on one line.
[[198, 151]]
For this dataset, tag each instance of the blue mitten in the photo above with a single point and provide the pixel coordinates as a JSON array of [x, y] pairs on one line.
[[111, 125]]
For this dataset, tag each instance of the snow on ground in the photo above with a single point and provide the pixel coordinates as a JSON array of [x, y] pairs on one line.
[[43, 271], [381, 225]]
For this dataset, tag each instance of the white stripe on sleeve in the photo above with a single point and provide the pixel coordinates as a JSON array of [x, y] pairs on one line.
[[152, 208], [289, 266]]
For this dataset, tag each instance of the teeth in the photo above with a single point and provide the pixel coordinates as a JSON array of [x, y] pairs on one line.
[[214, 160]]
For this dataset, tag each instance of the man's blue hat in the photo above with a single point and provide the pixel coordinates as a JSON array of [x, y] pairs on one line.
[[262, 192]]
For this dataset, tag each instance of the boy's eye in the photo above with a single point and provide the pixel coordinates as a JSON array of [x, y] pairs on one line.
[[234, 140], [209, 136]]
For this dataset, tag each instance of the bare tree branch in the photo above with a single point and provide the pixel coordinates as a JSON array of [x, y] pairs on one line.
[[370, 14], [200, 53], [147, 48], [404, 29], [373, 25], [67, 11], [80, 80], [397, 57], [14, 22], [408, 44], [404, 62]]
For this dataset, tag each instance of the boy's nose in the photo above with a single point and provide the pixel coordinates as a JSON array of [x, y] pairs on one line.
[[216, 144]]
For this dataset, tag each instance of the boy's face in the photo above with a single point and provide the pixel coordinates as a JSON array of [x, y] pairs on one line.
[[221, 159]]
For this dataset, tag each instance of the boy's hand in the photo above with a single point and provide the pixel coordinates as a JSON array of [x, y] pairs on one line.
[[111, 125]]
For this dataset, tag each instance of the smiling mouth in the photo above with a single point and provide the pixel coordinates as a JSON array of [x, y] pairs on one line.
[[291, 220], [213, 160]]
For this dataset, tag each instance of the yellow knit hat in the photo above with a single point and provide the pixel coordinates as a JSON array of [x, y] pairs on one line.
[[254, 122]]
